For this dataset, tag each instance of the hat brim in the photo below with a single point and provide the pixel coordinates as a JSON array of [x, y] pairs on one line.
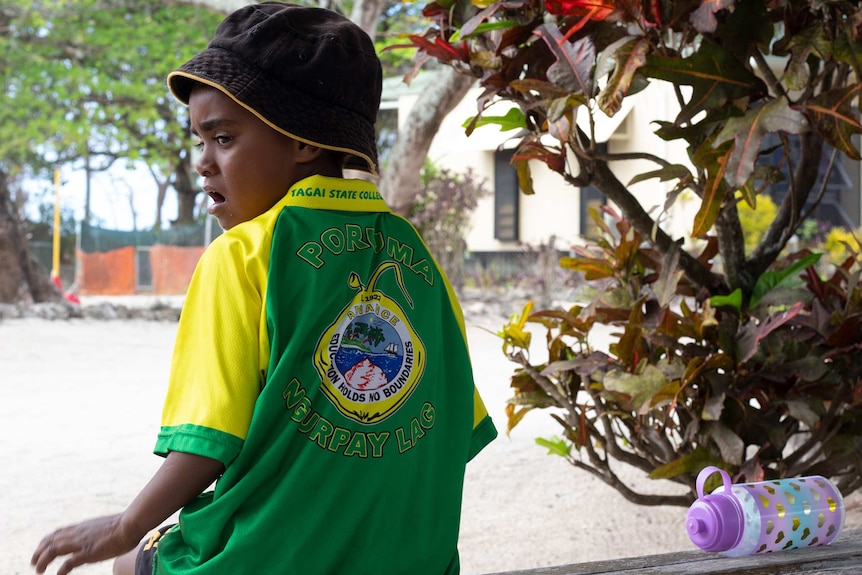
[[287, 111]]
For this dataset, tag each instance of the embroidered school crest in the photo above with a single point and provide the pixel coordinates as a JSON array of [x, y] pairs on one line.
[[370, 359]]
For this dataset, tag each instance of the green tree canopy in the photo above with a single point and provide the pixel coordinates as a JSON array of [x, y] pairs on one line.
[[84, 80]]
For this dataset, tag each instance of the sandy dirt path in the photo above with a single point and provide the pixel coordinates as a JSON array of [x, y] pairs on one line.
[[80, 413]]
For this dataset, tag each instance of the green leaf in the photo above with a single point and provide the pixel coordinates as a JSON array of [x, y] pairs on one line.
[[730, 445], [748, 131], [582, 365], [672, 172], [513, 333], [532, 399], [512, 120], [714, 74], [774, 278], [490, 26], [640, 387], [801, 410], [802, 44], [555, 446], [733, 299], [845, 49], [713, 407], [690, 463]]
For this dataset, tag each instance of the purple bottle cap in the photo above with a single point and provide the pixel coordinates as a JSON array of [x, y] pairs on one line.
[[714, 522]]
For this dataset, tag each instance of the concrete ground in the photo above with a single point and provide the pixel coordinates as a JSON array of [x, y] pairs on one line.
[[80, 413]]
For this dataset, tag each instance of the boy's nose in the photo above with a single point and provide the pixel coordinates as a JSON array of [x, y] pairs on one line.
[[203, 165]]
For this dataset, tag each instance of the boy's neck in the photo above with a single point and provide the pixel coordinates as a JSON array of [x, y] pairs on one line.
[[322, 167]]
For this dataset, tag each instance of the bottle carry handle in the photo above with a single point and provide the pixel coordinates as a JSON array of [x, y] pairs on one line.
[[706, 472]]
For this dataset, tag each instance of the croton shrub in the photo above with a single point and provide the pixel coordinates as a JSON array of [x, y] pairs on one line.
[[766, 391], [742, 356]]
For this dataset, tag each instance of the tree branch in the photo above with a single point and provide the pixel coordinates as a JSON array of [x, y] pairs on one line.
[[787, 219], [610, 478], [633, 156], [546, 384], [818, 435], [731, 243], [608, 184], [767, 74]]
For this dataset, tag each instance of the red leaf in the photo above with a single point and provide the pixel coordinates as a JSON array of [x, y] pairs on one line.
[[589, 9], [574, 60], [439, 48], [751, 335], [593, 269], [554, 160]]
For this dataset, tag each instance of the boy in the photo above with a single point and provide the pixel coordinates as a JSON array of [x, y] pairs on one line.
[[320, 373]]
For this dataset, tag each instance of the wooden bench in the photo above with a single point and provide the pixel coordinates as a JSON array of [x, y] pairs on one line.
[[843, 557]]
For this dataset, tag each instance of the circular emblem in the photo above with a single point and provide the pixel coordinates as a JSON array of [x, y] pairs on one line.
[[370, 359]]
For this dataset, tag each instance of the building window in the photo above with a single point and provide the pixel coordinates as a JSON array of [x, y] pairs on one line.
[[592, 199], [840, 204], [506, 197]]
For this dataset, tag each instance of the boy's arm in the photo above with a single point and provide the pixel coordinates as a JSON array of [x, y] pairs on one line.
[[181, 478]]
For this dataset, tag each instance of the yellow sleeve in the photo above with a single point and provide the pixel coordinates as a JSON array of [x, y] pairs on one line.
[[221, 350]]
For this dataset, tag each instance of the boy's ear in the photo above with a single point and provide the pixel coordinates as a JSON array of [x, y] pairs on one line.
[[306, 153]]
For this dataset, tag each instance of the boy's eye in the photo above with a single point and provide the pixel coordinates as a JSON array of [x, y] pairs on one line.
[[221, 140]]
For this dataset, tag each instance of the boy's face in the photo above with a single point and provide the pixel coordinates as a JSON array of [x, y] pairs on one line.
[[246, 165]]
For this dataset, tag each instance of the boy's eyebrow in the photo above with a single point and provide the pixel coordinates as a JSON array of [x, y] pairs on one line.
[[213, 123]]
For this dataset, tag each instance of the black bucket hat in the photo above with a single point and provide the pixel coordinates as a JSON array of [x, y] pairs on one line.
[[309, 73]]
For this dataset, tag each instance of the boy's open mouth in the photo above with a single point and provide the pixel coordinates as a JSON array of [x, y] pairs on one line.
[[216, 197]]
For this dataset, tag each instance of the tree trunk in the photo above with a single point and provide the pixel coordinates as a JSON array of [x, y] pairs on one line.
[[162, 185], [400, 183], [186, 193], [21, 280], [365, 14]]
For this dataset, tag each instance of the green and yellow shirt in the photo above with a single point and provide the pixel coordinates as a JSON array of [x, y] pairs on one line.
[[322, 357]]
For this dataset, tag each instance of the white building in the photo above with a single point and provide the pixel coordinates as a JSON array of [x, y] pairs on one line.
[[510, 220]]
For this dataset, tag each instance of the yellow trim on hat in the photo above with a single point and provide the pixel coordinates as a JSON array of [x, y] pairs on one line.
[[217, 86]]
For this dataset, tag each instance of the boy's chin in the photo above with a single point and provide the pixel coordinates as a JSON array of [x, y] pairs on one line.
[[225, 222]]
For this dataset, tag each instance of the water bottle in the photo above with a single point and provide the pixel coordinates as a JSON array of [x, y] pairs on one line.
[[767, 516]]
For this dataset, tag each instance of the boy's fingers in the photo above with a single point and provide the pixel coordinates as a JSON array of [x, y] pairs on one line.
[[51, 547], [44, 553], [76, 560]]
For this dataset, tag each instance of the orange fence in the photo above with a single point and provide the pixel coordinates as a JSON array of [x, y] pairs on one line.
[[117, 272], [173, 267]]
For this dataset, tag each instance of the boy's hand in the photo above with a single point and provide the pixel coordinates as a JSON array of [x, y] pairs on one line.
[[87, 542], [181, 478]]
